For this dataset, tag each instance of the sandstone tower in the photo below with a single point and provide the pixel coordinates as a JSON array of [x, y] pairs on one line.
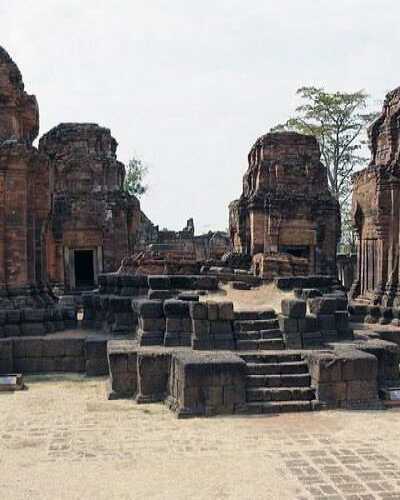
[[24, 190], [92, 219], [376, 210], [286, 219]]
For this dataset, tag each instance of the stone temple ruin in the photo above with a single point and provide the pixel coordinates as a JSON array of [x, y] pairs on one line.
[[154, 317], [286, 219], [92, 219], [376, 210]]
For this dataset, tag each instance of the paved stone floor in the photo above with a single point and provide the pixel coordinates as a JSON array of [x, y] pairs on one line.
[[62, 439]]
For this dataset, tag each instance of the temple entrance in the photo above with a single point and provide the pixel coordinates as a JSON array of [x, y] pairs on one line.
[[296, 250], [84, 268]]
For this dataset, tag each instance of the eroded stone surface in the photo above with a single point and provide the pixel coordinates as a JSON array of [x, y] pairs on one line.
[[376, 201], [286, 208], [90, 210], [19, 111]]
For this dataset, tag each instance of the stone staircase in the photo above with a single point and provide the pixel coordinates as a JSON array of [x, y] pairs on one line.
[[257, 331], [278, 382]]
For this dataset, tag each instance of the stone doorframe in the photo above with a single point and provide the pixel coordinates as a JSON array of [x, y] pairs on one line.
[[69, 264]]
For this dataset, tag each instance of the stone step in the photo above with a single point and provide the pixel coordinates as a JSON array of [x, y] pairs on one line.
[[255, 325], [279, 394], [268, 313], [258, 408], [270, 344], [248, 336], [258, 345], [274, 333], [262, 334], [279, 380], [275, 357], [290, 367]]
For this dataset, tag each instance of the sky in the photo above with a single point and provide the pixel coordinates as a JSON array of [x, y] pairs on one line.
[[188, 86]]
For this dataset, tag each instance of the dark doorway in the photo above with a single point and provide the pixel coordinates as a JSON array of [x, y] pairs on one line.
[[84, 272], [296, 250]]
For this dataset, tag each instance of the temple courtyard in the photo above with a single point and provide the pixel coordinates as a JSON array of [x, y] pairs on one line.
[[61, 439]]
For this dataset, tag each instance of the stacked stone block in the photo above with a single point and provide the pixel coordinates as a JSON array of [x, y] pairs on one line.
[[324, 309], [344, 378], [109, 308], [6, 356], [388, 357], [36, 322], [292, 322], [178, 331], [153, 370], [48, 354], [212, 325], [357, 312], [96, 356], [164, 287], [151, 321], [206, 384], [332, 317], [322, 283], [122, 361]]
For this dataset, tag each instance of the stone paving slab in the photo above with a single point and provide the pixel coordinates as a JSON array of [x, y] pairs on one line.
[[61, 439]]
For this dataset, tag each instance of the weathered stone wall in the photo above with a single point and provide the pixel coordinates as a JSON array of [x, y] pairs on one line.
[[89, 209], [19, 111], [345, 378], [184, 246], [24, 186], [203, 326], [48, 354], [206, 384], [327, 321], [376, 211], [286, 206]]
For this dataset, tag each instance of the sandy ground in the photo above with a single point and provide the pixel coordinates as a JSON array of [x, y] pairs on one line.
[[61, 439], [255, 299]]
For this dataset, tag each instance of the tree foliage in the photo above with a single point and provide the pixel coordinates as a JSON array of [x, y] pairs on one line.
[[338, 120], [135, 173]]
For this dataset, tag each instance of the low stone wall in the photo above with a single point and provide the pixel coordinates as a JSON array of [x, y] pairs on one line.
[[108, 309], [153, 370], [388, 357], [49, 354], [122, 362], [206, 384], [325, 283], [344, 378], [32, 322], [194, 383], [201, 325], [124, 285], [327, 322], [191, 383], [164, 287], [374, 314]]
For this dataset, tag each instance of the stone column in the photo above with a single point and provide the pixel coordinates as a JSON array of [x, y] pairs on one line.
[[383, 252], [355, 289], [390, 248]]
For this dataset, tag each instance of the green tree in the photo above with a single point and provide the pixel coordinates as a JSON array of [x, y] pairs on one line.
[[135, 173], [338, 120]]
